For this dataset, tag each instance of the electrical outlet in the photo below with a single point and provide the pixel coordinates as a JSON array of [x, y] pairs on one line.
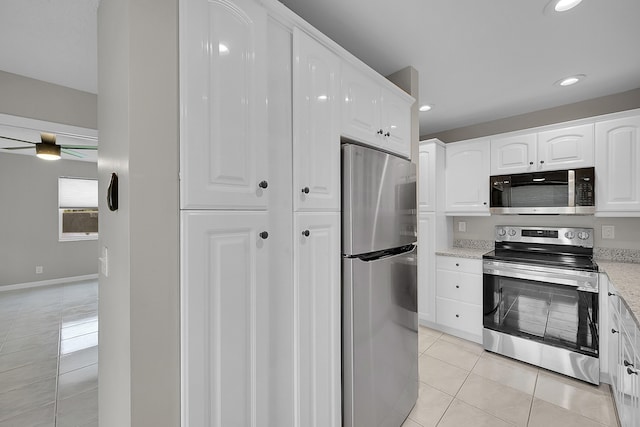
[[608, 232], [39, 269], [462, 226]]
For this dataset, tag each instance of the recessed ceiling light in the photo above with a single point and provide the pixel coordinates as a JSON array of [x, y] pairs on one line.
[[571, 80], [564, 5], [554, 7], [223, 49], [425, 107]]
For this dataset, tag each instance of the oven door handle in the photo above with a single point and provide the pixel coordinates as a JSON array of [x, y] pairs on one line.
[[584, 281]]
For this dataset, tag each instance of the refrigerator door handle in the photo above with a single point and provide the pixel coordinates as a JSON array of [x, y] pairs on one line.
[[387, 253]]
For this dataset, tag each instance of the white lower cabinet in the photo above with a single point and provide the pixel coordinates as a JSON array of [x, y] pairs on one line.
[[225, 318], [459, 296], [426, 267], [317, 314], [624, 360]]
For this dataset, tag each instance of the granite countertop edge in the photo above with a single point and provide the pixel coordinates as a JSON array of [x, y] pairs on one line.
[[471, 253], [625, 277]]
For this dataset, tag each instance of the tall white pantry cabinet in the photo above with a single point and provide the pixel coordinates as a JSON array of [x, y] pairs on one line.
[[260, 219]]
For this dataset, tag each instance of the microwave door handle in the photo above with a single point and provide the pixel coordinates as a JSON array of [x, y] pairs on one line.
[[572, 188]]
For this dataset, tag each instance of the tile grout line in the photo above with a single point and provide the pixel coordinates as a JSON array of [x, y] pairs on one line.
[[533, 396], [55, 402]]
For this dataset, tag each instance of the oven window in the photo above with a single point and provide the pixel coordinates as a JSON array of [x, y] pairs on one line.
[[553, 314]]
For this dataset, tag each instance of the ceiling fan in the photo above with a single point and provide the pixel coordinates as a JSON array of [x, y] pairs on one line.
[[47, 148]]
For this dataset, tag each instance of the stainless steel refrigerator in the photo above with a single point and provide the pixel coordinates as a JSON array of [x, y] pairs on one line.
[[379, 288]]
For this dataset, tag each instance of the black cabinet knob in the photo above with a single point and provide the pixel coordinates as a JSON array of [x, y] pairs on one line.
[[387, 134], [541, 162], [610, 294], [264, 234], [530, 163], [305, 190], [484, 203], [457, 315], [631, 371], [263, 184], [457, 286], [380, 132], [457, 265], [306, 233], [627, 363], [613, 331]]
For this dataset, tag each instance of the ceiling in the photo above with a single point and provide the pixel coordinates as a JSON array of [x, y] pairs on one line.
[[477, 60]]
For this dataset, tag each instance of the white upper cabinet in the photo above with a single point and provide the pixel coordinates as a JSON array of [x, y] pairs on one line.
[[316, 126], [317, 312], [513, 154], [467, 178], [224, 317], [431, 176], [566, 148], [618, 167], [223, 87], [374, 114], [396, 123]]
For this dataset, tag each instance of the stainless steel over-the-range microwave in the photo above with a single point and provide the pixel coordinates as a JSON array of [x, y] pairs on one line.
[[569, 191]]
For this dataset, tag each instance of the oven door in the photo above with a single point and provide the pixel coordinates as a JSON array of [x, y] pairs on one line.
[[553, 306]]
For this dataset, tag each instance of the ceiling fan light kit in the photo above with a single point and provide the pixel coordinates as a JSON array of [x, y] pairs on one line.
[[48, 151]]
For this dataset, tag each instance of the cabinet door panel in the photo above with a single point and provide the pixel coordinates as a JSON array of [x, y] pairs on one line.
[[617, 160], [514, 154], [360, 107], [223, 105], [467, 178], [427, 177], [566, 148], [463, 287], [224, 326], [427, 267], [316, 130], [317, 319], [396, 124], [459, 315]]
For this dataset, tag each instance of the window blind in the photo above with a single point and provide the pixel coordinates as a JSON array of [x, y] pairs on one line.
[[76, 193]]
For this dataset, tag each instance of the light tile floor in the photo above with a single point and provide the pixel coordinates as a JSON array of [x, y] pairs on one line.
[[49, 356], [463, 385]]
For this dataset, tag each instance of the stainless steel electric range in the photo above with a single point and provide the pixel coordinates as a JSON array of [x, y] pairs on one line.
[[540, 299]]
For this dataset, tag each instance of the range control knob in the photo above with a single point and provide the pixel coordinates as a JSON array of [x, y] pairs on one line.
[[502, 232], [512, 232], [583, 235], [569, 234]]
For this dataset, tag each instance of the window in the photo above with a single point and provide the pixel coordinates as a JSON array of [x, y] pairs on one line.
[[77, 209]]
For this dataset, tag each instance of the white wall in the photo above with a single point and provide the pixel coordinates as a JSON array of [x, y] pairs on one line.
[[627, 230], [138, 115], [26, 97], [564, 113], [29, 221]]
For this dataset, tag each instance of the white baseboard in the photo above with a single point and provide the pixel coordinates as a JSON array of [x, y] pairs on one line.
[[48, 282]]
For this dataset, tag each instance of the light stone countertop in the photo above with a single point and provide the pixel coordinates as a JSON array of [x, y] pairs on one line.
[[472, 253], [625, 277]]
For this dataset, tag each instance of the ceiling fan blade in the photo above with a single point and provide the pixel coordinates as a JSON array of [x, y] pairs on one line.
[[17, 148], [79, 147], [72, 153], [18, 140]]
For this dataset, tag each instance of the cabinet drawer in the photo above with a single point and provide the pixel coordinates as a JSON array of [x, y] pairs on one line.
[[465, 265], [459, 286], [459, 315]]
